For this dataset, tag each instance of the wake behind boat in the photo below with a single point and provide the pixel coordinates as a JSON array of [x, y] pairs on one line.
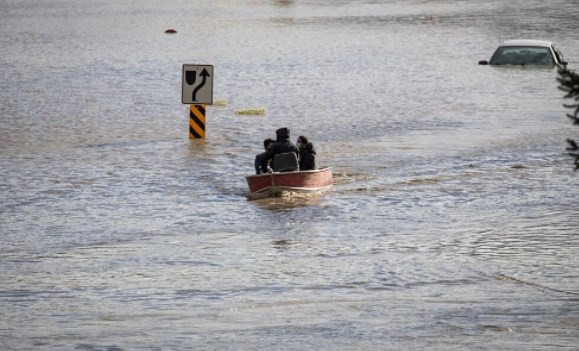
[[277, 184]]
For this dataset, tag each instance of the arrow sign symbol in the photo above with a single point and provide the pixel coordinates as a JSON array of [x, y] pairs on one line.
[[204, 75]]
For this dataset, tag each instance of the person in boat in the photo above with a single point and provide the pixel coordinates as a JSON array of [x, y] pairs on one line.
[[282, 145], [267, 143], [307, 154]]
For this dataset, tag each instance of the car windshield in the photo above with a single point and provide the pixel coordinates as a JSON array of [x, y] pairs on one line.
[[522, 55]]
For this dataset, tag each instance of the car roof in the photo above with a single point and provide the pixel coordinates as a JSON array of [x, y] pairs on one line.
[[526, 42]]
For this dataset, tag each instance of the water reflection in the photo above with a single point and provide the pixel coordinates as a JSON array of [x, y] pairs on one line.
[[282, 244], [284, 3], [275, 204]]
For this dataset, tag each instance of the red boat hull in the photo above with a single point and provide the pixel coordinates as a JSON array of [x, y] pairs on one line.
[[300, 181]]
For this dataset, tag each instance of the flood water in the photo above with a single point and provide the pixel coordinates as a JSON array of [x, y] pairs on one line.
[[452, 225]]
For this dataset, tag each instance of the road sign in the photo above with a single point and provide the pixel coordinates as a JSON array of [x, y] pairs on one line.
[[197, 84]]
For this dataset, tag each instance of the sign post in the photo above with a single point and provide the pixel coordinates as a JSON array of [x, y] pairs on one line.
[[196, 121], [197, 92]]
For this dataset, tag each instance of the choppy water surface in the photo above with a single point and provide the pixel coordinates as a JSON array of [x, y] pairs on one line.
[[453, 224]]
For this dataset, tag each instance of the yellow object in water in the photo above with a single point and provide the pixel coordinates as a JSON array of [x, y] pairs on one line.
[[250, 111], [219, 103]]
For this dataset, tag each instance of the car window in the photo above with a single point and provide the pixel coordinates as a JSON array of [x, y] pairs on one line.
[[522, 55]]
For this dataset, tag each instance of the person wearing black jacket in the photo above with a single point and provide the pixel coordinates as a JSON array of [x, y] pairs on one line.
[[267, 143], [281, 146], [307, 154]]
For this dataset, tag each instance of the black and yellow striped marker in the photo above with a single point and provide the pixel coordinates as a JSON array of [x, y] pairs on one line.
[[196, 121]]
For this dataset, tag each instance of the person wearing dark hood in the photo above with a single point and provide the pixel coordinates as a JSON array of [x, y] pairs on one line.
[[307, 154], [281, 146]]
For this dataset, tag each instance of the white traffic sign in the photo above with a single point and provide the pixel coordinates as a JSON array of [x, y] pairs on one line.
[[197, 84]]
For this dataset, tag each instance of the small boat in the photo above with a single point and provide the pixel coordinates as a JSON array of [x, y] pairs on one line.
[[297, 182]]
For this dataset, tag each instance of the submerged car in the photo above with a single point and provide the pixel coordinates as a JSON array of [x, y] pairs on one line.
[[526, 52]]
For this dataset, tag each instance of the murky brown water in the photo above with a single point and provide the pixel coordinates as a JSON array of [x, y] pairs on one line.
[[452, 226]]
